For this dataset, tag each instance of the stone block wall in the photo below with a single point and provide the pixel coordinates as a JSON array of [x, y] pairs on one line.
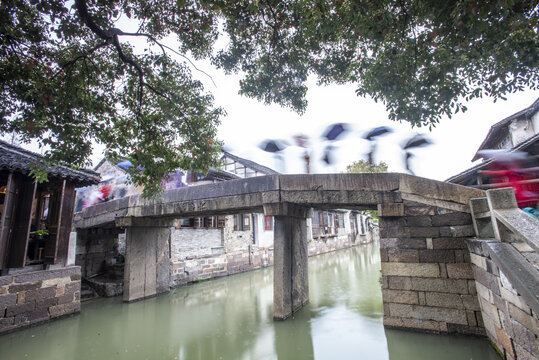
[[204, 267], [33, 297], [427, 278], [96, 247], [330, 243], [509, 322]]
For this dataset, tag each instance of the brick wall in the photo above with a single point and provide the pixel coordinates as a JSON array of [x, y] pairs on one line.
[[29, 298], [509, 321], [427, 278]]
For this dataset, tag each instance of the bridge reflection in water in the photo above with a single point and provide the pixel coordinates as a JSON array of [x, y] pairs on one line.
[[232, 318]]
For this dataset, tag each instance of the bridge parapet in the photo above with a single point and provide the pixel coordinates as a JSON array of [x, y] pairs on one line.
[[505, 265], [347, 191]]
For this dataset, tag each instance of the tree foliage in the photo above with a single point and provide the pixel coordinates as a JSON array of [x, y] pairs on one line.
[[422, 58], [71, 75], [69, 78], [362, 166]]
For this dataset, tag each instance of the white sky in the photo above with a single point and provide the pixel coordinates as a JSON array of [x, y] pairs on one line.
[[456, 140]]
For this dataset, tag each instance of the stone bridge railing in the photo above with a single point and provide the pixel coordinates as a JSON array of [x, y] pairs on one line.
[[505, 264]]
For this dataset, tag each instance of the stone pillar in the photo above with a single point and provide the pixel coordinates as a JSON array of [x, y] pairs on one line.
[[147, 259], [290, 271]]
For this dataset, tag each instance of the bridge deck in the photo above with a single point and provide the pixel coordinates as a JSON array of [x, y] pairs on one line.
[[323, 191]]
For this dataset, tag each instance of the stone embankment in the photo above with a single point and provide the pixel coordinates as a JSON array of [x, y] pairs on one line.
[[32, 297]]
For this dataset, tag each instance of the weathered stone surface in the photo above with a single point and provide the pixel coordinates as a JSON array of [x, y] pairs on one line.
[[457, 218], [6, 280], [436, 256], [449, 243], [421, 221], [404, 255], [19, 309], [452, 301], [479, 261], [488, 280], [7, 300], [427, 231], [523, 318], [452, 286], [391, 210], [409, 323], [393, 228], [64, 309], [386, 243], [40, 294], [419, 210], [15, 288], [410, 269], [290, 279], [457, 231], [460, 271], [46, 274], [400, 296], [465, 329], [428, 313]]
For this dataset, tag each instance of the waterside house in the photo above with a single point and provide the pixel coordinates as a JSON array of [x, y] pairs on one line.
[[38, 279]]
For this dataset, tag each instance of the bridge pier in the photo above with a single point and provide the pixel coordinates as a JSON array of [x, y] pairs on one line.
[[147, 260], [290, 272]]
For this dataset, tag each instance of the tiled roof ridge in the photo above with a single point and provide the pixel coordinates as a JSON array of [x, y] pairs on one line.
[[27, 157]]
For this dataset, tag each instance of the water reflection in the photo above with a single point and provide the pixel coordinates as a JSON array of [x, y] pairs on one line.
[[232, 318]]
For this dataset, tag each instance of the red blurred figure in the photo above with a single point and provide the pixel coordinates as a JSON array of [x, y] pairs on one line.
[[516, 170]]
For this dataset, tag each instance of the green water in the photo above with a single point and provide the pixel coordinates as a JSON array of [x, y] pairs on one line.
[[231, 318]]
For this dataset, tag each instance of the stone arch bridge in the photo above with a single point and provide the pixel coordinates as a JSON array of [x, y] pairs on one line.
[[427, 277]]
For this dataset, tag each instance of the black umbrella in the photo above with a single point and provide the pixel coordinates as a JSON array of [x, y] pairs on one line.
[[416, 141], [377, 131], [334, 131], [328, 156], [272, 146]]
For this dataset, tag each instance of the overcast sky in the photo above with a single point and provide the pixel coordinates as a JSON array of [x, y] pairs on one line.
[[456, 140]]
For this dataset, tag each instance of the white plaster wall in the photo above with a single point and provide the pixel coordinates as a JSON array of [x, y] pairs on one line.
[[194, 242], [236, 240], [535, 122], [520, 130], [264, 238]]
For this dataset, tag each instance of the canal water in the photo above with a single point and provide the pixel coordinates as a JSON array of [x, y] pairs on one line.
[[231, 318]]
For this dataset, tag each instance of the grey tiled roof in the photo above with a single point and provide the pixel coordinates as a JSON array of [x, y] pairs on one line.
[[527, 113], [16, 159]]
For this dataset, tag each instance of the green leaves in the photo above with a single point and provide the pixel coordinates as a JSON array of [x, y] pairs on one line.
[[421, 58], [66, 84], [70, 77]]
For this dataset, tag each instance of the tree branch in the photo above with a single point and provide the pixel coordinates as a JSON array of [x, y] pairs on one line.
[[82, 56], [163, 47]]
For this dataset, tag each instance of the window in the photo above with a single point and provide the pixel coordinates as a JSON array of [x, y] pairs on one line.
[[242, 222], [340, 220], [505, 143], [198, 222], [246, 222], [186, 222], [268, 223], [221, 220]]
